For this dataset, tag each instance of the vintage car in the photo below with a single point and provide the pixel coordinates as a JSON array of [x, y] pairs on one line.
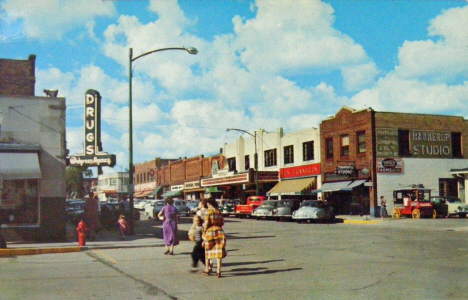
[[447, 206], [193, 205], [265, 210], [314, 210], [413, 201], [155, 207], [229, 207], [75, 210], [182, 208], [285, 209]]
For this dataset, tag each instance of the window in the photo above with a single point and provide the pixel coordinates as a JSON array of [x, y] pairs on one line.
[[403, 143], [247, 162], [289, 154], [345, 145], [308, 150], [361, 138], [19, 201], [270, 158], [456, 145], [232, 164], [329, 147]]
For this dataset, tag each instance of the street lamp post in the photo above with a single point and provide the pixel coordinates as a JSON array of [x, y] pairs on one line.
[[130, 124], [255, 156]]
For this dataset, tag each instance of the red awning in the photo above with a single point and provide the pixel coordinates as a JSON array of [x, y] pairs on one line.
[[110, 191]]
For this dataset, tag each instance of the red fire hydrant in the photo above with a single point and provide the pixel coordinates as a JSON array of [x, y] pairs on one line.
[[82, 230]]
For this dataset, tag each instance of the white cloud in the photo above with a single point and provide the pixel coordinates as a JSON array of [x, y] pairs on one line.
[[441, 60], [51, 19]]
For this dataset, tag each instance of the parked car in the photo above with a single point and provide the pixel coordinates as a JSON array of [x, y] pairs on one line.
[[265, 210], [182, 208], [140, 205], [285, 209], [75, 210], [449, 206], [193, 205], [313, 210], [229, 207], [152, 210], [110, 213]]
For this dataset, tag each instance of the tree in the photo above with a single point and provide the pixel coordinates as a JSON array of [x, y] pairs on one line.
[[75, 177]]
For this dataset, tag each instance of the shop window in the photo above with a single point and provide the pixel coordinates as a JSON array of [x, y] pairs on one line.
[[456, 145], [247, 162], [289, 154], [329, 147], [19, 202], [232, 164], [308, 150], [345, 145], [361, 138], [403, 143], [270, 158]]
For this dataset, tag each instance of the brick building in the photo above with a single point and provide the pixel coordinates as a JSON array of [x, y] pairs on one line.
[[17, 77], [366, 154], [32, 157]]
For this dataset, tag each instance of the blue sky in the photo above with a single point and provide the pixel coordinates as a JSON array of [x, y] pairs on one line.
[[261, 64]]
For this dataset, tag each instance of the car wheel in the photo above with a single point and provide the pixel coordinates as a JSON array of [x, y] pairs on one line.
[[396, 214], [434, 214], [462, 215], [416, 214]]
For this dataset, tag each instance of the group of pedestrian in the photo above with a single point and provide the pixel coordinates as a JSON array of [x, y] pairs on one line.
[[206, 232]]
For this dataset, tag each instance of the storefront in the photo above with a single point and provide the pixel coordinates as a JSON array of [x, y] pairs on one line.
[[350, 197], [19, 185], [193, 190], [298, 182]]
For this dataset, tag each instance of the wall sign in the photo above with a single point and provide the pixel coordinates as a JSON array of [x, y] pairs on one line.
[[92, 155], [390, 165], [431, 144]]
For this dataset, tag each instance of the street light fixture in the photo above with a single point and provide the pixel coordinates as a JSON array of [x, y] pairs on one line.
[[130, 125], [255, 156]]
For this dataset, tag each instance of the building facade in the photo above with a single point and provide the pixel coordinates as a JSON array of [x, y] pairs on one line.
[[32, 157], [368, 154]]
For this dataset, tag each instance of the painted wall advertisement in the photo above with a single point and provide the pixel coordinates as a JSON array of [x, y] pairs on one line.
[[387, 142], [390, 165], [431, 144]]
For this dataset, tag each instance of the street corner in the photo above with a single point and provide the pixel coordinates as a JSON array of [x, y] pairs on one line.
[[34, 251]]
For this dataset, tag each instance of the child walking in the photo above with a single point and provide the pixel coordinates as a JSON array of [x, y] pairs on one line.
[[123, 226], [195, 235]]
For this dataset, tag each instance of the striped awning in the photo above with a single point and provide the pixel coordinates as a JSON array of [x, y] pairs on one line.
[[292, 187]]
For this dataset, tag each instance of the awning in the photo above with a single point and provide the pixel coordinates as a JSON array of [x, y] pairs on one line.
[[19, 165], [291, 187], [172, 193], [155, 191], [340, 186]]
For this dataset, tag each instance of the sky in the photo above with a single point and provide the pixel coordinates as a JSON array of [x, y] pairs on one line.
[[261, 64]]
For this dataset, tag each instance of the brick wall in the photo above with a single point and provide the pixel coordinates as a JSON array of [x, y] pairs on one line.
[[17, 77]]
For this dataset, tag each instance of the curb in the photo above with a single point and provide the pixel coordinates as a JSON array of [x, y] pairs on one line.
[[367, 222], [33, 251]]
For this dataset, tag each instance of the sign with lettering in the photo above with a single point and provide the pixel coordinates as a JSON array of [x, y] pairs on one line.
[[386, 142], [300, 171], [431, 144], [92, 155], [390, 165], [346, 170]]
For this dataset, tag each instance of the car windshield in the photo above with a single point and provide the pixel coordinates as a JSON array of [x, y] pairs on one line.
[[269, 203], [454, 200], [179, 203], [159, 203], [312, 204], [286, 204]]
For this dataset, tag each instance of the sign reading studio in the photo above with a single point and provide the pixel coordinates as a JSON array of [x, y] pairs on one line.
[[92, 155]]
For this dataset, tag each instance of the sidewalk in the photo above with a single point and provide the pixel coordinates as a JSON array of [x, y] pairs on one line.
[[148, 233]]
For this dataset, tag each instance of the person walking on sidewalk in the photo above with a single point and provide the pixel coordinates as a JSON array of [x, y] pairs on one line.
[[195, 235], [169, 226], [383, 208], [214, 239]]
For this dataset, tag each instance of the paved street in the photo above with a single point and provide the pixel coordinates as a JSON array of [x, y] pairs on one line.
[[392, 259]]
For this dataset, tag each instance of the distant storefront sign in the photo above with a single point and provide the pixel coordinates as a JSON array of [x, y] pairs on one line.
[[431, 144], [390, 165]]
